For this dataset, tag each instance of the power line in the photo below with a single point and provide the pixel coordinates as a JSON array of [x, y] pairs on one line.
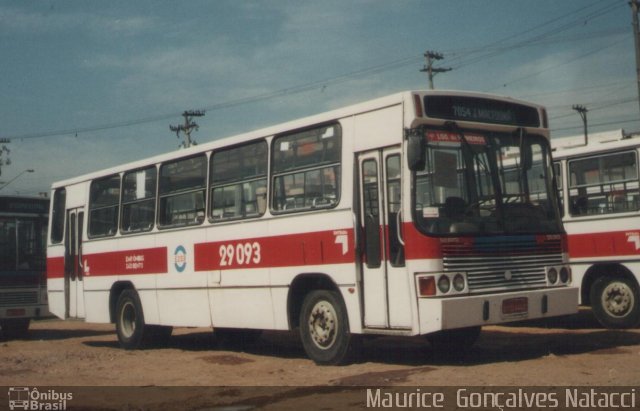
[[320, 84], [587, 54], [232, 103], [523, 43], [606, 123]]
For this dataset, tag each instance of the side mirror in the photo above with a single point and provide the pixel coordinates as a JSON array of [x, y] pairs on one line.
[[416, 151]]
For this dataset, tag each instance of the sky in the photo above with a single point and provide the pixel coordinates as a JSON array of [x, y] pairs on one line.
[[89, 84]]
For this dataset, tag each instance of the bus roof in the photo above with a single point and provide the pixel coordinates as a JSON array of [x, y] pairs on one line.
[[597, 143], [347, 111]]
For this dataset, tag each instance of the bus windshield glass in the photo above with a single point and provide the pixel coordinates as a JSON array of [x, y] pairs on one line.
[[22, 244], [485, 183]]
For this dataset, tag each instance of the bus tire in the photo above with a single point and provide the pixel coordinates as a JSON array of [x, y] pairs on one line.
[[130, 326], [324, 328], [15, 327], [615, 302]]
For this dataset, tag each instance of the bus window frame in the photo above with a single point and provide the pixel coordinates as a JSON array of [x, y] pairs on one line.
[[117, 205], [336, 166], [153, 198], [215, 184], [58, 215], [184, 191], [590, 156]]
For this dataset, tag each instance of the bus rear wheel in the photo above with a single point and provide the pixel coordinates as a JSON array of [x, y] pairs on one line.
[[132, 331], [324, 328], [615, 302]]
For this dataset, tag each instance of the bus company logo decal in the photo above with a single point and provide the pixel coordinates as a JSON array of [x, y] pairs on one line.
[[25, 398], [342, 238], [180, 258], [634, 238]]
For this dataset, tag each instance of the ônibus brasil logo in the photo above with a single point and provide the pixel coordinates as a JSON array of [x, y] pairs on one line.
[[180, 258], [25, 398]]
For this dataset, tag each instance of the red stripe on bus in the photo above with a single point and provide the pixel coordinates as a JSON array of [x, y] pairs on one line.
[[315, 248], [143, 261], [614, 243], [419, 246], [55, 267]]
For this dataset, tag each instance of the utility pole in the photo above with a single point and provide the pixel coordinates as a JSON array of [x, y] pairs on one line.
[[188, 125], [635, 6], [582, 110], [4, 150], [431, 71]]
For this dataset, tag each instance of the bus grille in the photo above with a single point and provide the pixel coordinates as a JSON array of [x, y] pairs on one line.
[[13, 298], [502, 263]]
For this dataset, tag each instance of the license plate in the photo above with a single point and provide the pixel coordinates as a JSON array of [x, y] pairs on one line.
[[514, 306]]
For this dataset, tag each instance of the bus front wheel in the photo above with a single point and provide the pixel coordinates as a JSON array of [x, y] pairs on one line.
[[324, 328], [615, 302]]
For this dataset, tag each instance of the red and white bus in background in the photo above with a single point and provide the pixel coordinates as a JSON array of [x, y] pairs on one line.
[[390, 217], [23, 234], [600, 191]]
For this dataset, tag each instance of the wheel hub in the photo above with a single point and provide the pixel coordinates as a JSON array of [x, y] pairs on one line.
[[618, 299], [128, 320], [323, 325]]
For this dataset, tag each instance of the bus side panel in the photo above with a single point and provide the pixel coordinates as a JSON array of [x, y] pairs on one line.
[[386, 124], [129, 260], [55, 280], [182, 292], [324, 246], [235, 260]]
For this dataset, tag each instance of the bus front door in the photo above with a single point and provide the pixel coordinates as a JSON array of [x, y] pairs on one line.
[[384, 279], [73, 265]]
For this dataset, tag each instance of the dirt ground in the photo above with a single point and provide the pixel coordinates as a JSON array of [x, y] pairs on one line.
[[570, 351]]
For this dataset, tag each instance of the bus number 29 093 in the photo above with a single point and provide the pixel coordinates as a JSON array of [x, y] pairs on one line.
[[239, 254]]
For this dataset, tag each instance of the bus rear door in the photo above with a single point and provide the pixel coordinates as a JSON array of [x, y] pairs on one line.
[[73, 265]]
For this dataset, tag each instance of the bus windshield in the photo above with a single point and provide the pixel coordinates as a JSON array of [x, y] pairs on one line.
[[485, 183], [22, 244]]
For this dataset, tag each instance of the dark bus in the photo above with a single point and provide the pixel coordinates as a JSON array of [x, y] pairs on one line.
[[23, 293]]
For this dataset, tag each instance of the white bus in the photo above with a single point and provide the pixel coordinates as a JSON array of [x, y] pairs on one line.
[[387, 217], [599, 188]]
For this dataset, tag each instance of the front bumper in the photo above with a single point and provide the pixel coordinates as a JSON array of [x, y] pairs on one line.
[[473, 310]]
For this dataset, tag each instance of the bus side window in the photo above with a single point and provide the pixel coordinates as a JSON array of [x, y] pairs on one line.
[[104, 206], [306, 169], [238, 181], [57, 215], [138, 200], [604, 184], [182, 192]]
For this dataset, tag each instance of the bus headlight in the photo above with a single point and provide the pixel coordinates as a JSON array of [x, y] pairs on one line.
[[441, 284], [565, 275], [558, 275], [459, 283], [444, 284]]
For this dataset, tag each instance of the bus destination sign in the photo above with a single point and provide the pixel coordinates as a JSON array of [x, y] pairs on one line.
[[481, 110]]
